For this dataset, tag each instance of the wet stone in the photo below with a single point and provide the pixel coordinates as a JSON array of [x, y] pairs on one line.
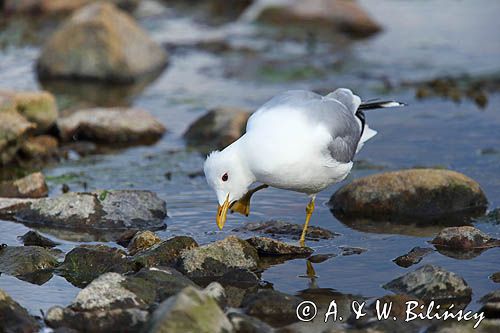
[[33, 238], [86, 262], [165, 253], [42, 147], [31, 186], [495, 277], [14, 317], [22, 260], [413, 257], [272, 307], [349, 250], [287, 229], [319, 258], [125, 237], [218, 258], [142, 240], [14, 129], [110, 210], [464, 238], [491, 304], [191, 310], [431, 282], [243, 323], [424, 194], [270, 247]]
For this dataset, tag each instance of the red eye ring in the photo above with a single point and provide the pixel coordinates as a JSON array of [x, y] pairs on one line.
[[225, 177]]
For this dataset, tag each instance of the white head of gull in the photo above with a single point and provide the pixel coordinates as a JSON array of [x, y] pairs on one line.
[[299, 141]]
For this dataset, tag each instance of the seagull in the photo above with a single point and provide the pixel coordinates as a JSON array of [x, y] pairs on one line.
[[298, 141]]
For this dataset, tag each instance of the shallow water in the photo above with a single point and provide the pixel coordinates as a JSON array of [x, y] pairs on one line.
[[422, 39]]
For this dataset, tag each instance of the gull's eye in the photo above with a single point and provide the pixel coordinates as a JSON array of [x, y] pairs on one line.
[[225, 177]]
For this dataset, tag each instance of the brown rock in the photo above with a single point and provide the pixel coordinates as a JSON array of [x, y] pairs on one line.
[[491, 304], [343, 16], [41, 146], [50, 7], [270, 247], [111, 125], [14, 317], [413, 257], [495, 277], [464, 238], [13, 131], [141, 241], [218, 128], [31, 186], [100, 42], [424, 194]]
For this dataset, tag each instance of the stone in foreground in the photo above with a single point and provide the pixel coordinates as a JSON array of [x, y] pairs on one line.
[[431, 282], [142, 240], [217, 129], [165, 253], [100, 42], [270, 247], [191, 310], [15, 318], [218, 258], [14, 129], [30, 186], [287, 229], [491, 304], [111, 125], [107, 210], [23, 260], [424, 194]]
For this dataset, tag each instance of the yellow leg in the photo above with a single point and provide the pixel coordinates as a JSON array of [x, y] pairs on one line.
[[309, 211], [242, 206]]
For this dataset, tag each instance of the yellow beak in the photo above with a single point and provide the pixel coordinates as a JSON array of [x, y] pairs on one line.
[[221, 213]]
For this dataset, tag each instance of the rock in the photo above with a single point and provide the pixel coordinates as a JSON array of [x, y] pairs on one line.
[[86, 262], [13, 131], [22, 260], [111, 125], [31, 186], [328, 15], [125, 237], [432, 283], [165, 253], [319, 258], [272, 307], [218, 258], [349, 250], [41, 147], [189, 311], [269, 247], [56, 7], [14, 317], [100, 210], [485, 326], [100, 42], [424, 194], [142, 240], [464, 238], [217, 129], [237, 283], [33, 238], [413, 257], [217, 292], [495, 277], [491, 304], [38, 107], [243, 323], [287, 229]]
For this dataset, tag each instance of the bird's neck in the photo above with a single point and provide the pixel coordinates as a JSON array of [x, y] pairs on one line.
[[239, 160]]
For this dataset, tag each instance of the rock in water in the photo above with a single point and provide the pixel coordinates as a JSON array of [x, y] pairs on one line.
[[287, 229], [33, 238], [218, 258], [324, 15], [413, 257], [111, 125], [31, 186], [464, 238], [165, 253], [424, 194], [191, 310], [38, 107], [109, 210], [141, 241], [217, 129], [432, 283], [100, 42], [15, 318], [14, 129], [22, 260], [270, 247], [491, 304]]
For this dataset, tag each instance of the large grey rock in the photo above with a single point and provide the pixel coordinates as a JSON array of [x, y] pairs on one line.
[[218, 258], [165, 253], [432, 283], [464, 238], [192, 310], [109, 210], [100, 42], [343, 16], [423, 194], [111, 125], [217, 129], [30, 186], [14, 129], [15, 318], [22, 260]]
